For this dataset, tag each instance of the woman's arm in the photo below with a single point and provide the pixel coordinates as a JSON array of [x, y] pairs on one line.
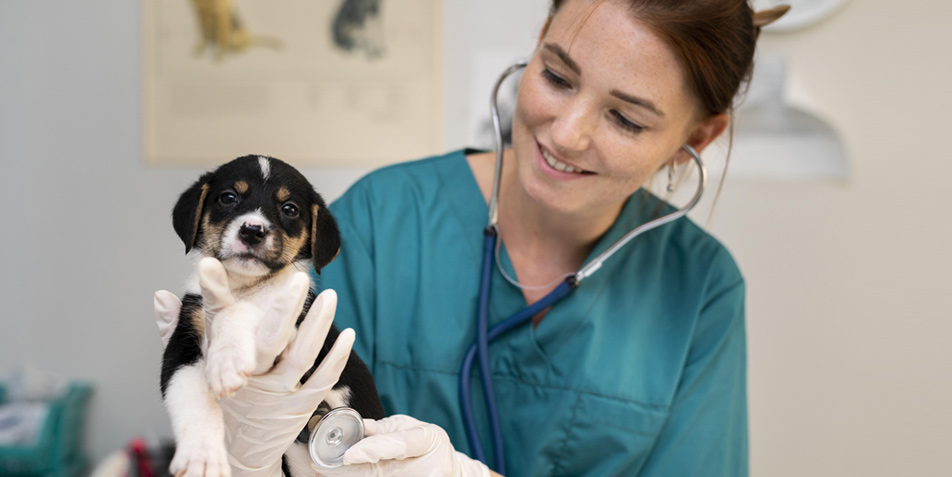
[[706, 430]]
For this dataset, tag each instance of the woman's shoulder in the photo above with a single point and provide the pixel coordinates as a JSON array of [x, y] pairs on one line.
[[691, 247], [713, 263], [710, 251]]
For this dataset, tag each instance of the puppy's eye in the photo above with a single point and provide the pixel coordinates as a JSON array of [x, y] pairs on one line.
[[228, 198], [290, 210]]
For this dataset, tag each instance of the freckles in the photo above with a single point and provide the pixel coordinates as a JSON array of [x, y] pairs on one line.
[[628, 162], [532, 102], [525, 106]]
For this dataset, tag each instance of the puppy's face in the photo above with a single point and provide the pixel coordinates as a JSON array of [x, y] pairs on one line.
[[257, 215]]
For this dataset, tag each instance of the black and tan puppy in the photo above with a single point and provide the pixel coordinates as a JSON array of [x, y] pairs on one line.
[[264, 222]]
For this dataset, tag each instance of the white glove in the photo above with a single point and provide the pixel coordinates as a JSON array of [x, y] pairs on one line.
[[167, 307], [266, 415], [403, 446]]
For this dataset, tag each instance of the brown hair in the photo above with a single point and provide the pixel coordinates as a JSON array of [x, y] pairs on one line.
[[715, 40]]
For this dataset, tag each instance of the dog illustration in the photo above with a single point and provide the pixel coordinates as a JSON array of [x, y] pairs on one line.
[[222, 29]]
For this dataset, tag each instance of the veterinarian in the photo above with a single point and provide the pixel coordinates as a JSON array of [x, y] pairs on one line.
[[641, 370]]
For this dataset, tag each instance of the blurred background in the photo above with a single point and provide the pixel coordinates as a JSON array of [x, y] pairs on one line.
[[849, 329]]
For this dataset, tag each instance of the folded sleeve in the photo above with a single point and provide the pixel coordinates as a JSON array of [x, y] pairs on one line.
[[705, 433]]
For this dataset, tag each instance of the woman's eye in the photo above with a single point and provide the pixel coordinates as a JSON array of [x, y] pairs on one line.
[[626, 124], [228, 198], [290, 210], [554, 79]]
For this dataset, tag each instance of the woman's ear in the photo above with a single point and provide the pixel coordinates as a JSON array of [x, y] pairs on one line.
[[187, 213], [703, 134], [707, 131], [325, 237]]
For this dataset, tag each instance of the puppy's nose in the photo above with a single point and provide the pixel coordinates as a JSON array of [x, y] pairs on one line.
[[251, 234]]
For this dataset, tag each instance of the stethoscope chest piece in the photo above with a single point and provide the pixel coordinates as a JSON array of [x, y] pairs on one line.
[[336, 432]]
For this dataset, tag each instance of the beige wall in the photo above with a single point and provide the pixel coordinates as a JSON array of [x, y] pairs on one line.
[[848, 312]]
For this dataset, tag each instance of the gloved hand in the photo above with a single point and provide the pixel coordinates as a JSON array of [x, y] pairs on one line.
[[403, 446], [265, 416], [167, 307]]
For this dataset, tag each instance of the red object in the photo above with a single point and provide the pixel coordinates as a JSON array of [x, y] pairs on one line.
[[138, 450]]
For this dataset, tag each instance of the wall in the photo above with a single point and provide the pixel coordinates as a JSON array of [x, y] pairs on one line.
[[848, 330], [88, 236]]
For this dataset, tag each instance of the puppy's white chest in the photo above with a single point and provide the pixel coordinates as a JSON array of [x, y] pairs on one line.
[[262, 296]]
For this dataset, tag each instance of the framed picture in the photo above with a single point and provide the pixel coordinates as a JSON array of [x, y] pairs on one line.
[[348, 83]]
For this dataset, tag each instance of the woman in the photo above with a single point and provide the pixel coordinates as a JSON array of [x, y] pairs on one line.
[[639, 371]]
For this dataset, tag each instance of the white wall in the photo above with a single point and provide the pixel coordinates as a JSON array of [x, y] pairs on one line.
[[849, 317], [848, 310]]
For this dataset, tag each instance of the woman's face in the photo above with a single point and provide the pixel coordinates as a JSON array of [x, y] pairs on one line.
[[602, 105]]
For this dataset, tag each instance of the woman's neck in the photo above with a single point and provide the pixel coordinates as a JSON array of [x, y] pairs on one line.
[[528, 228]]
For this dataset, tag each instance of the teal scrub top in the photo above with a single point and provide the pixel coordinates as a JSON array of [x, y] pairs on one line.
[[640, 371]]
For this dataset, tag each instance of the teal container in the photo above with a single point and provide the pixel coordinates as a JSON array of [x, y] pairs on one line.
[[57, 451]]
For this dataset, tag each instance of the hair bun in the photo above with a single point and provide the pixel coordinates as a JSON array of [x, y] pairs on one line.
[[766, 17]]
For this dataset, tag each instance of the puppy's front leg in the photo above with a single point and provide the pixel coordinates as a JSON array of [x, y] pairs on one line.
[[195, 415], [198, 426], [231, 348]]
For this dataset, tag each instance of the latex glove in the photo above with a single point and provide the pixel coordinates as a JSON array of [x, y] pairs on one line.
[[167, 307], [266, 415], [239, 342], [403, 446], [272, 336]]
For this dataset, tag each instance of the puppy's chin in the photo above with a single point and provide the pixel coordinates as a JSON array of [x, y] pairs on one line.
[[246, 265]]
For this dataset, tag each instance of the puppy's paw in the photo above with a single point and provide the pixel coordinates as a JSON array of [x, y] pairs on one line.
[[200, 458], [227, 371]]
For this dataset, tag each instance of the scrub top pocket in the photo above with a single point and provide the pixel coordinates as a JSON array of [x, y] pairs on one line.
[[610, 436]]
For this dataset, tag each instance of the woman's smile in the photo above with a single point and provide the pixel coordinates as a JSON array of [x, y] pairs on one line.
[[557, 168]]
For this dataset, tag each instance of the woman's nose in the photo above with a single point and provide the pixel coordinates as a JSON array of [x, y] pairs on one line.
[[573, 126]]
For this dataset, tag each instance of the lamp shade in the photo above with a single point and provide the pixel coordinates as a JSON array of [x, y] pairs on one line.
[[777, 141]]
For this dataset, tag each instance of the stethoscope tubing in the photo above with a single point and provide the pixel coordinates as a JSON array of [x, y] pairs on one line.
[[497, 129], [481, 347]]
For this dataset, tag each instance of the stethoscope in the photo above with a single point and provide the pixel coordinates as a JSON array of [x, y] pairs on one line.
[[484, 334]]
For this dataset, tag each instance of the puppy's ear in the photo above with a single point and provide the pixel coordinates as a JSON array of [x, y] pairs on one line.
[[325, 237], [187, 214]]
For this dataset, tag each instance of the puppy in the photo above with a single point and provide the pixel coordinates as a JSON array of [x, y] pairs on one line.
[[263, 221]]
